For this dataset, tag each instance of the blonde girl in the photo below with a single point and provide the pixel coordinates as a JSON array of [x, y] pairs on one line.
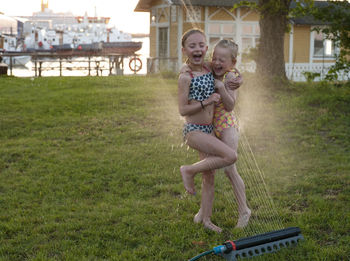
[[196, 97], [225, 128]]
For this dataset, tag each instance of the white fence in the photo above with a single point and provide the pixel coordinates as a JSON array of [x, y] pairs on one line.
[[295, 72]]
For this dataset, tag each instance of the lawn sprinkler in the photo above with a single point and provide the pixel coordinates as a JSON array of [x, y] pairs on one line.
[[256, 245]]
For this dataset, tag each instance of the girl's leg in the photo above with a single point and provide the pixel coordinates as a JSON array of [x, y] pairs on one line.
[[230, 137], [219, 155], [205, 212]]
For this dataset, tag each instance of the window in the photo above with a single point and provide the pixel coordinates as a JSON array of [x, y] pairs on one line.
[[163, 42], [228, 29], [247, 29], [218, 31], [250, 36], [214, 28], [247, 43], [322, 47]]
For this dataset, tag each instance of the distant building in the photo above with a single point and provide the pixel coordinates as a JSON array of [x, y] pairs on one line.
[[46, 18], [304, 49], [8, 25]]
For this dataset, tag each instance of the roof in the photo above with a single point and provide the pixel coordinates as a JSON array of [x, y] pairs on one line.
[[145, 5], [226, 3]]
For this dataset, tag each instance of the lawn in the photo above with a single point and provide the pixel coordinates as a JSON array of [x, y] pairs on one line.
[[89, 170]]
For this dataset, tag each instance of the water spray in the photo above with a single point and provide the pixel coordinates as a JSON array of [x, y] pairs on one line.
[[256, 245]]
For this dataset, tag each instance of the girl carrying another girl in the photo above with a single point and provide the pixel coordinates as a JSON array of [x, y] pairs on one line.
[[225, 128], [196, 94]]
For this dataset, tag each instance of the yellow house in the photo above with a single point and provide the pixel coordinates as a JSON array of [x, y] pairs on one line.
[[304, 49]]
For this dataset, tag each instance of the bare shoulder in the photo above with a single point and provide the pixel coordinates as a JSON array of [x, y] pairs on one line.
[[184, 78], [185, 68]]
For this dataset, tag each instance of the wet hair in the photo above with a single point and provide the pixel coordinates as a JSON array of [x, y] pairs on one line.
[[189, 33], [231, 45]]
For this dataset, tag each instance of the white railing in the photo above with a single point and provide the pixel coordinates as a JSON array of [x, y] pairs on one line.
[[295, 72]]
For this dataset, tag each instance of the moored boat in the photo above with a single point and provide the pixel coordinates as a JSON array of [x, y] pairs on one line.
[[81, 35]]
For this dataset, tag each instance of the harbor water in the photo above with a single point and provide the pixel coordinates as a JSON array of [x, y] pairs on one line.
[[71, 68]]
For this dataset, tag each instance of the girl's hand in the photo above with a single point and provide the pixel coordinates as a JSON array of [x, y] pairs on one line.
[[232, 82], [215, 97]]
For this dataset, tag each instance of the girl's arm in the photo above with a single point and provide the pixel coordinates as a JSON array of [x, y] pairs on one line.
[[186, 108], [228, 96], [183, 89]]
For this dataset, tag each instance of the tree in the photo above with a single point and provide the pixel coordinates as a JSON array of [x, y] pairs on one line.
[[336, 15], [273, 25], [274, 15]]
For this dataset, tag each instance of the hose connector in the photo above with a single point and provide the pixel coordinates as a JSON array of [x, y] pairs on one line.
[[226, 248]]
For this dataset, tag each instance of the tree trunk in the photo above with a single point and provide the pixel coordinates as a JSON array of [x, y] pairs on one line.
[[273, 25]]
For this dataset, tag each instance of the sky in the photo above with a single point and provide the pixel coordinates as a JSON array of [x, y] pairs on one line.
[[121, 11]]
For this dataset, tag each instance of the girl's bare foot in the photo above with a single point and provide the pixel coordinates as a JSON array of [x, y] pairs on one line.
[[188, 181], [244, 219], [209, 225]]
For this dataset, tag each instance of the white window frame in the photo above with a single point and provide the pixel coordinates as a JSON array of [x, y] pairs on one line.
[[221, 35], [321, 57], [254, 36]]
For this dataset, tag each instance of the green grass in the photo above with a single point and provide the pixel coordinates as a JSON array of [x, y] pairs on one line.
[[89, 169]]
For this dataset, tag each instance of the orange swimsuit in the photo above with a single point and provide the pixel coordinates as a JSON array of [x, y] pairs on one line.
[[223, 119]]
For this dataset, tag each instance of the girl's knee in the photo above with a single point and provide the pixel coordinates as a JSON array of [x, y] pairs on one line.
[[231, 157]]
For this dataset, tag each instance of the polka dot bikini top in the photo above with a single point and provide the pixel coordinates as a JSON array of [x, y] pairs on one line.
[[201, 87]]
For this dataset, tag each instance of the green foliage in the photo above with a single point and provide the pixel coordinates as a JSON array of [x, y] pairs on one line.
[[336, 16], [169, 74], [310, 76], [252, 5]]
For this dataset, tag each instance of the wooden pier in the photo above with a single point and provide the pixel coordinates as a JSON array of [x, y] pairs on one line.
[[91, 59]]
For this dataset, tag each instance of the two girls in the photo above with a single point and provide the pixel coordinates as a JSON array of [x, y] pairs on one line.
[[199, 104]]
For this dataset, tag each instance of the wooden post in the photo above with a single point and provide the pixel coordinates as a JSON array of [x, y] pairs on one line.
[[11, 64], [60, 66], [110, 64], [40, 64], [89, 66], [35, 66], [97, 67]]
